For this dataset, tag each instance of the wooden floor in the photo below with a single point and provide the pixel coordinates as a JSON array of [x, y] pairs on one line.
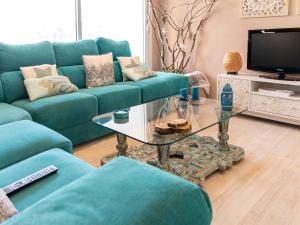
[[263, 189]]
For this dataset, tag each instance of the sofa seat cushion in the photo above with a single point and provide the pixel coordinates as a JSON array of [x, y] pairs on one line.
[[13, 86], [136, 193], [160, 86], [12, 57], [10, 113], [115, 97], [22, 139], [69, 167], [62, 111]]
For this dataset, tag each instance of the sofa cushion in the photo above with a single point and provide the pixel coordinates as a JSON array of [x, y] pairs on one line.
[[118, 48], [62, 111], [118, 71], [77, 76], [1, 92], [70, 54], [69, 167], [10, 113], [22, 139], [160, 86], [115, 97], [13, 86], [136, 193], [12, 57]]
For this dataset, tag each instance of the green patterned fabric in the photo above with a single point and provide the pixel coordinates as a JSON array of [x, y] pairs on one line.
[[115, 97], [168, 84], [69, 169], [136, 193], [84, 132], [118, 48], [12, 57], [70, 54], [10, 113], [22, 139], [62, 111], [13, 86]]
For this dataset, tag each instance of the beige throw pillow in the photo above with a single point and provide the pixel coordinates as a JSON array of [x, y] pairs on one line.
[[138, 73], [48, 86], [99, 70], [128, 62], [40, 71]]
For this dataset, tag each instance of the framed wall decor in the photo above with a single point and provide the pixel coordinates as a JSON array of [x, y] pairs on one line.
[[264, 8]]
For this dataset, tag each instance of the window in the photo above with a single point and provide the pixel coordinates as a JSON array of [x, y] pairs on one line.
[[115, 19], [32, 21], [55, 20]]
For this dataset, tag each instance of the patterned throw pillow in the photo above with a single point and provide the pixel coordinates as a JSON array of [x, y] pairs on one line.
[[48, 86], [127, 63], [99, 70], [40, 71], [139, 72], [7, 209], [132, 69]]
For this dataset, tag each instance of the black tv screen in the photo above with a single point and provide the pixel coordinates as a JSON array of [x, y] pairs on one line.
[[274, 50]]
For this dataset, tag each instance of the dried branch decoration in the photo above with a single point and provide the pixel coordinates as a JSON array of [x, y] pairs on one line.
[[175, 55]]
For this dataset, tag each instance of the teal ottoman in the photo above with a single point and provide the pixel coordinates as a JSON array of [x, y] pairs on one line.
[[22, 139], [123, 192], [69, 167]]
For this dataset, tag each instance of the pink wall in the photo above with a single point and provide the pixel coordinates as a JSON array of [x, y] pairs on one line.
[[226, 31]]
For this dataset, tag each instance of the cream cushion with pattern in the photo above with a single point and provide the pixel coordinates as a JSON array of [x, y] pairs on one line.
[[99, 70], [48, 86], [40, 71], [128, 62], [138, 73]]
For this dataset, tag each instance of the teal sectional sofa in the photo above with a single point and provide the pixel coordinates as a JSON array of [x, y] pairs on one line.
[[71, 114], [34, 135]]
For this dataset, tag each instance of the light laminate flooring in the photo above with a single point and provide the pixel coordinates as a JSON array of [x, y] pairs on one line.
[[263, 189]]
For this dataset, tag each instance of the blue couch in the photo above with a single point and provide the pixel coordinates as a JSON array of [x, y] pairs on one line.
[[71, 114], [34, 135]]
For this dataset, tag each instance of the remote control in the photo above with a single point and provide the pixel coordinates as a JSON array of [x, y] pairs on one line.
[[18, 185]]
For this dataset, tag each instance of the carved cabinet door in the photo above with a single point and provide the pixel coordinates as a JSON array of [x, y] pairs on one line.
[[240, 90]]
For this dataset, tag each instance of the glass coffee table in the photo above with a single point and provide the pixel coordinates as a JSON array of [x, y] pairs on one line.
[[202, 114]]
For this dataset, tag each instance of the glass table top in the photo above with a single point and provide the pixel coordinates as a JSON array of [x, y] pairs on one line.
[[143, 118]]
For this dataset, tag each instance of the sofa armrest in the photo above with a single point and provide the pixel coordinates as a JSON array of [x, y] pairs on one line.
[[123, 192]]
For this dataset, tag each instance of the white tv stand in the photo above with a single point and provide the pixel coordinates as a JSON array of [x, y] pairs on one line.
[[279, 108]]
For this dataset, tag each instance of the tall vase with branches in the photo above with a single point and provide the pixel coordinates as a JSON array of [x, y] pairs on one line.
[[176, 55]]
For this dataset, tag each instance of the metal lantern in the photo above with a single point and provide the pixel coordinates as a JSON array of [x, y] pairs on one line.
[[227, 97]]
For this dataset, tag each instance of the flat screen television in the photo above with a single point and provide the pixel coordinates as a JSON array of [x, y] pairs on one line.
[[274, 50]]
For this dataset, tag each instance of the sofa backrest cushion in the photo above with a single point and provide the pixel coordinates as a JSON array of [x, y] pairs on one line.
[[76, 74], [118, 72], [118, 48], [13, 86], [70, 54], [12, 57], [1, 92]]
